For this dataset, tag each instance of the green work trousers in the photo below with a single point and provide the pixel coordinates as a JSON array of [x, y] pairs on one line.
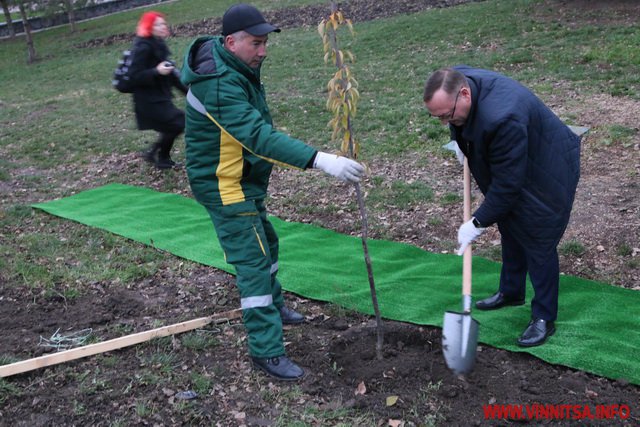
[[250, 244]]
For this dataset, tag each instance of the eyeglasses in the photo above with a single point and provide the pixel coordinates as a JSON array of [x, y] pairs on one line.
[[448, 116]]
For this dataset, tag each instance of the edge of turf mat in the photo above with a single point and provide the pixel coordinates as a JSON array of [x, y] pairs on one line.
[[598, 330]]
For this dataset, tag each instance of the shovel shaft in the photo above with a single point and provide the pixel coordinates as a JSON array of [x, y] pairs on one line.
[[466, 262], [467, 191]]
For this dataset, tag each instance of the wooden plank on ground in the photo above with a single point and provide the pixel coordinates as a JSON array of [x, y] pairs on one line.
[[114, 344]]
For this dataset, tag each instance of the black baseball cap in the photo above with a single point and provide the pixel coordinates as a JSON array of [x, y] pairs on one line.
[[244, 17]]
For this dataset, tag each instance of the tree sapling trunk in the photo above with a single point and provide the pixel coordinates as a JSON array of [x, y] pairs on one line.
[[342, 101]]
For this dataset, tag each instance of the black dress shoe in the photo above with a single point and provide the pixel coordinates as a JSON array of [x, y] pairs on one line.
[[290, 317], [536, 333], [280, 367], [498, 300]]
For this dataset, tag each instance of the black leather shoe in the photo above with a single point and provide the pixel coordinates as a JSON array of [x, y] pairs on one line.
[[290, 317], [280, 367], [536, 333], [498, 300]]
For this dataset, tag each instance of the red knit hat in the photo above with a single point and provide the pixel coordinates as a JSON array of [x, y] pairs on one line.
[[145, 24]]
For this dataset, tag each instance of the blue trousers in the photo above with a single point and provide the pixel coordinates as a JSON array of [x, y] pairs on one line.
[[544, 273]]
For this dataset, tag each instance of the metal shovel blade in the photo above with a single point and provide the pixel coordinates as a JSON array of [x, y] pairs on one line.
[[460, 330], [459, 341]]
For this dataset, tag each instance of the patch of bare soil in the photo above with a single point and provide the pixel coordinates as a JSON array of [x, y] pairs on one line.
[[135, 386], [142, 385]]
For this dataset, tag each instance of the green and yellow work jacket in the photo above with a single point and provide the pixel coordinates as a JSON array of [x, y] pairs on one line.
[[231, 144]]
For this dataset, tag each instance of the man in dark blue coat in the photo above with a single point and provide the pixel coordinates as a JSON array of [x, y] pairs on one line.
[[526, 162]]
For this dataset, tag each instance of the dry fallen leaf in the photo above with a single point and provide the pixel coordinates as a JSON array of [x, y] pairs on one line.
[[361, 389], [591, 394], [392, 400]]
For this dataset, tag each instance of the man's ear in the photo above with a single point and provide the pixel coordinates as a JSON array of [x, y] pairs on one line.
[[230, 42], [465, 92]]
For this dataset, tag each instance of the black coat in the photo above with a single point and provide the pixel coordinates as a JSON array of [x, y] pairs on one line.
[[152, 94], [525, 160]]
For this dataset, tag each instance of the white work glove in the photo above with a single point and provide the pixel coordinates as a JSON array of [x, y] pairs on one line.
[[467, 233], [341, 167], [453, 146]]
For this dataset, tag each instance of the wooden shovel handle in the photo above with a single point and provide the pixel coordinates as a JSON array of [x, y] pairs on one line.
[[466, 262]]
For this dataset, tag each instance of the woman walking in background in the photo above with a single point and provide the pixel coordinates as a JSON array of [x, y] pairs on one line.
[[153, 75]]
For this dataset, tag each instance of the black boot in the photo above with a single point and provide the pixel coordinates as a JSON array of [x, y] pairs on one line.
[[165, 143], [164, 163], [151, 156], [280, 367], [290, 316]]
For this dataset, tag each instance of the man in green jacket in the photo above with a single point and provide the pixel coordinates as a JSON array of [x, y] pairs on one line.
[[231, 147]]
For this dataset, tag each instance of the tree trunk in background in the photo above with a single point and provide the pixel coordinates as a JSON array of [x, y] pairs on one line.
[[71, 14], [7, 18], [27, 31]]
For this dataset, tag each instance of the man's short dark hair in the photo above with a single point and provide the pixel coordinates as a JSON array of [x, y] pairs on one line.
[[448, 79]]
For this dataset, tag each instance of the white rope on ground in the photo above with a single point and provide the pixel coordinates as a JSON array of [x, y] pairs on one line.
[[64, 342]]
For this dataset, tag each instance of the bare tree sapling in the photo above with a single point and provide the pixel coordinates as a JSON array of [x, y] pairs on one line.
[[342, 102]]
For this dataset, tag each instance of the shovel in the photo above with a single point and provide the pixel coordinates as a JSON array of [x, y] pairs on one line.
[[460, 330]]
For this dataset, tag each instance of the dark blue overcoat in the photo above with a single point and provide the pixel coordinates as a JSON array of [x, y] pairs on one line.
[[525, 160]]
